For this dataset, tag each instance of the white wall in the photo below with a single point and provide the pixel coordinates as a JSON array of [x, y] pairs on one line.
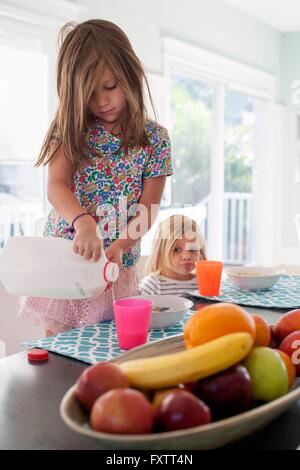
[[210, 24], [290, 250]]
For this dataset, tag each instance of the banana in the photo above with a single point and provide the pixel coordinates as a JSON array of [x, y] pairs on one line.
[[188, 365]]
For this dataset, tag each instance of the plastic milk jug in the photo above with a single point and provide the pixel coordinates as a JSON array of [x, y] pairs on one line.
[[48, 267]]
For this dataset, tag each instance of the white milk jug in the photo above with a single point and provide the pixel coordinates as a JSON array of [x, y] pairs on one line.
[[48, 267]]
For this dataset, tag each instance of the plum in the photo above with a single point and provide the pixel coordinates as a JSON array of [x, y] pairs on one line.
[[122, 411], [226, 393], [180, 409], [98, 379]]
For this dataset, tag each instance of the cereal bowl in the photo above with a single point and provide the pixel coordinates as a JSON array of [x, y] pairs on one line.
[[167, 309], [253, 278]]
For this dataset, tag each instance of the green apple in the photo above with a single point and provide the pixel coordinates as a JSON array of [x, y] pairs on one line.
[[268, 374]]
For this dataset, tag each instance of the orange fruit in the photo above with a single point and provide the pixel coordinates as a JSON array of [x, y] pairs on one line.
[[263, 331], [216, 320], [291, 369]]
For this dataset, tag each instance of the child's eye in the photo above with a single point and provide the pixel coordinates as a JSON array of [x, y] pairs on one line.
[[177, 250], [111, 87]]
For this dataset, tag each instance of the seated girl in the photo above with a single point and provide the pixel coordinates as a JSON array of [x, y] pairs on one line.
[[178, 244]]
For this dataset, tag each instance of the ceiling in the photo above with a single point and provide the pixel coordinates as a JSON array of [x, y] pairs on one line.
[[283, 15]]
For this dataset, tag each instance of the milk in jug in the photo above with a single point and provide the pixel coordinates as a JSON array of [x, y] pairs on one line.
[[48, 267]]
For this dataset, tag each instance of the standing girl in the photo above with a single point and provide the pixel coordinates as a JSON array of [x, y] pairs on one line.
[[103, 154], [178, 244]]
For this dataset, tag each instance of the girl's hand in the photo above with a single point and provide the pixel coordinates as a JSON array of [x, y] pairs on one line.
[[114, 253], [86, 241]]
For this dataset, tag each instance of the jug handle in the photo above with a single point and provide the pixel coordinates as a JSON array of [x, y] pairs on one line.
[[104, 271]]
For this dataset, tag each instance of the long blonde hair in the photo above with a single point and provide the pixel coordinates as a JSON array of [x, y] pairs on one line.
[[84, 50], [170, 230]]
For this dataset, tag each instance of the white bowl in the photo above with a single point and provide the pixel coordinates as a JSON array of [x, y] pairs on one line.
[[177, 308], [253, 278]]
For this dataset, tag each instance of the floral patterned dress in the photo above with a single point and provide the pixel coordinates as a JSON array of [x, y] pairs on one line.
[[108, 186]]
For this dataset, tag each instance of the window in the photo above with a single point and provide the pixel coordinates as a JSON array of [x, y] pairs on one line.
[[240, 122], [28, 40], [23, 120], [192, 112], [215, 122]]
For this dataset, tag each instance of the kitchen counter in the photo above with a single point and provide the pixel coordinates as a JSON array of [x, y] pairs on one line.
[[30, 396]]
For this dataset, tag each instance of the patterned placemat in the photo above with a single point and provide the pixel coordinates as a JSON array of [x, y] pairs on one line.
[[97, 343], [284, 294]]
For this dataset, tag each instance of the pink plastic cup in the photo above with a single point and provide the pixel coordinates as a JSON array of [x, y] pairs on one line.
[[132, 318]]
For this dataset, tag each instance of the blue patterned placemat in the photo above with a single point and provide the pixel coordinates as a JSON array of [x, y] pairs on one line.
[[97, 343], [284, 294]]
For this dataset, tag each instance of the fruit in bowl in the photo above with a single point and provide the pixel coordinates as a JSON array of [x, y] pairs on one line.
[[98, 379], [291, 368], [227, 393], [263, 335], [123, 411], [287, 323], [253, 278], [291, 346], [199, 385], [268, 372], [180, 409], [216, 320]]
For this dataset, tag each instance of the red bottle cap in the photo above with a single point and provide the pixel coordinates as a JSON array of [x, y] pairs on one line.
[[37, 355]]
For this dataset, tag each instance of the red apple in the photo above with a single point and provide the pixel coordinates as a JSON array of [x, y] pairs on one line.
[[122, 411], [98, 379], [181, 410], [287, 323], [291, 346]]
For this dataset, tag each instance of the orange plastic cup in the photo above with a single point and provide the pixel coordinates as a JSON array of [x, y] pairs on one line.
[[209, 277]]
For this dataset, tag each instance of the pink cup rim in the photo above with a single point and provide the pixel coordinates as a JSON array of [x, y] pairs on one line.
[[129, 303]]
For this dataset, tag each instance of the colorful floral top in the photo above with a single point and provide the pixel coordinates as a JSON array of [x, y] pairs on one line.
[[110, 184]]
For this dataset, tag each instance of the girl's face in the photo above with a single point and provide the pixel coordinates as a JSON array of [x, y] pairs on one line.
[[108, 102], [184, 254]]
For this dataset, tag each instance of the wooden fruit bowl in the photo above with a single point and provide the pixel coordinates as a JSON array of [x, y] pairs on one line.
[[210, 436]]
